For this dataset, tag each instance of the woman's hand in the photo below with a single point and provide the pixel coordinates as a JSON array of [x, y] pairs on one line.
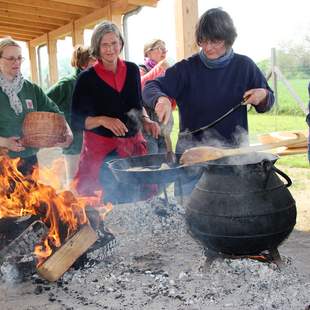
[[115, 125], [163, 109], [12, 144], [111, 123], [151, 127], [255, 96]]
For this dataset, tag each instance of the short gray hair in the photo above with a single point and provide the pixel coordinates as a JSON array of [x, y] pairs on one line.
[[100, 30], [7, 42]]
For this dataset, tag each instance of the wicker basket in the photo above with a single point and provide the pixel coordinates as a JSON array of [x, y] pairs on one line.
[[43, 129]]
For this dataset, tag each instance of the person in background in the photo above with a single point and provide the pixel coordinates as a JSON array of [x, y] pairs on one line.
[[207, 85], [19, 96], [308, 122], [155, 65], [61, 93], [107, 105]]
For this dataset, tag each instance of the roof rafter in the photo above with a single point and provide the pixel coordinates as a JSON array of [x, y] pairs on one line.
[[20, 22], [95, 4], [37, 11], [46, 4]]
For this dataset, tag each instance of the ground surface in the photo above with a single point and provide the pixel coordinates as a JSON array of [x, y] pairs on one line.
[[157, 265]]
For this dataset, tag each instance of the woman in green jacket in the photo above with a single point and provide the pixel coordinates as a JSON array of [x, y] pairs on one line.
[[17, 98], [61, 94]]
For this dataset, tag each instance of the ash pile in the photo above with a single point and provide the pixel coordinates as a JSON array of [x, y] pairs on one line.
[[157, 265]]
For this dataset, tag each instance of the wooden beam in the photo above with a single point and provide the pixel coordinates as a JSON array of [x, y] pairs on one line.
[[33, 63], [46, 4], [18, 32], [77, 35], [152, 3], [94, 18], [186, 18], [61, 32], [37, 12], [95, 4], [20, 22], [34, 18], [16, 36], [52, 57], [42, 40], [25, 29]]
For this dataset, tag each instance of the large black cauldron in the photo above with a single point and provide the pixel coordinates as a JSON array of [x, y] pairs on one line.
[[240, 208]]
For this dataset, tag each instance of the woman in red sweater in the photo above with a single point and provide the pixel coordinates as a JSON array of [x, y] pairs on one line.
[[107, 106]]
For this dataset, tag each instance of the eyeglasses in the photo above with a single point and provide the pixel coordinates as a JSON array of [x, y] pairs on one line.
[[107, 46], [213, 43], [163, 49], [13, 59]]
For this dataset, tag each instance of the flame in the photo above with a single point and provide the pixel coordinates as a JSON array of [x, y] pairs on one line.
[[63, 213]]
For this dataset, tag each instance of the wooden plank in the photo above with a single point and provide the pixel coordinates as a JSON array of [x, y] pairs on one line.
[[20, 22], [152, 3], [46, 4], [94, 18], [60, 261], [33, 63], [24, 29], [34, 18], [186, 18], [61, 31], [17, 37], [42, 40], [37, 12], [96, 4]]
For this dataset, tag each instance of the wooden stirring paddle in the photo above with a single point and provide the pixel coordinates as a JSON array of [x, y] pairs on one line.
[[205, 153]]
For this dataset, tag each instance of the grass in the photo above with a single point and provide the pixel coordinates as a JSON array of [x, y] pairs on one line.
[[265, 123]]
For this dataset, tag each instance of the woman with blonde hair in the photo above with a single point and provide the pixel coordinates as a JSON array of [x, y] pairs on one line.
[[155, 65], [61, 93], [18, 97]]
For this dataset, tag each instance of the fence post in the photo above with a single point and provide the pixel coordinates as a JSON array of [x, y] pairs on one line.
[[274, 76]]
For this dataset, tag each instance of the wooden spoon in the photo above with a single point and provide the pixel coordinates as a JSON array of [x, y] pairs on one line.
[[205, 153]]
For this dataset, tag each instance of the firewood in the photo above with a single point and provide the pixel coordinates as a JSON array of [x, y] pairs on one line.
[[60, 261], [24, 244]]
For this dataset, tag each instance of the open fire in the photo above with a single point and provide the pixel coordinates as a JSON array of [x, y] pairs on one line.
[[63, 213]]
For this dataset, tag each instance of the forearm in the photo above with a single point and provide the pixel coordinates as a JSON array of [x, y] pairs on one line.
[[3, 142], [151, 92], [92, 122]]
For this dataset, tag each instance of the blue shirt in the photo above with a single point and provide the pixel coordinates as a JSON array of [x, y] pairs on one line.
[[204, 94]]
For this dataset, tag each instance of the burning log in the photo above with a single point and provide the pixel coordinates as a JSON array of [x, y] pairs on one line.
[[24, 243], [60, 261]]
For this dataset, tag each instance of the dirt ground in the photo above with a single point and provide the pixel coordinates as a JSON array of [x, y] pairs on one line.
[[156, 265]]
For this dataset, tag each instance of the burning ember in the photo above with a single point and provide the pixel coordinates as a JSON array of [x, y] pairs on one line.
[[62, 213]]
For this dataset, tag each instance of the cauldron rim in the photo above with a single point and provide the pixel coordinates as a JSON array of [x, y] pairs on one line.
[[240, 160]]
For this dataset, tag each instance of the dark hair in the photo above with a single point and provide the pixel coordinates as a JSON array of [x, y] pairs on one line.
[[216, 24], [99, 31]]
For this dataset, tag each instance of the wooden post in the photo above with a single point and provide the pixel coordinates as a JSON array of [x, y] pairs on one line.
[[33, 63], [52, 55], [77, 35], [186, 16], [60, 261]]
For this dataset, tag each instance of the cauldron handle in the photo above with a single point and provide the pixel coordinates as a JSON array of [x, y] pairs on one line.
[[268, 165], [284, 175]]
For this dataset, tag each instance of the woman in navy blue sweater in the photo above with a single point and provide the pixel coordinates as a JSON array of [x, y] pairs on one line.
[[210, 83], [207, 85]]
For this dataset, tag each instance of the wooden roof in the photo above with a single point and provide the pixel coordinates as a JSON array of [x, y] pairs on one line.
[[28, 20]]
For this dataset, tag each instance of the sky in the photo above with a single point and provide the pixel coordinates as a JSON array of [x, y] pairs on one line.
[[260, 25]]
